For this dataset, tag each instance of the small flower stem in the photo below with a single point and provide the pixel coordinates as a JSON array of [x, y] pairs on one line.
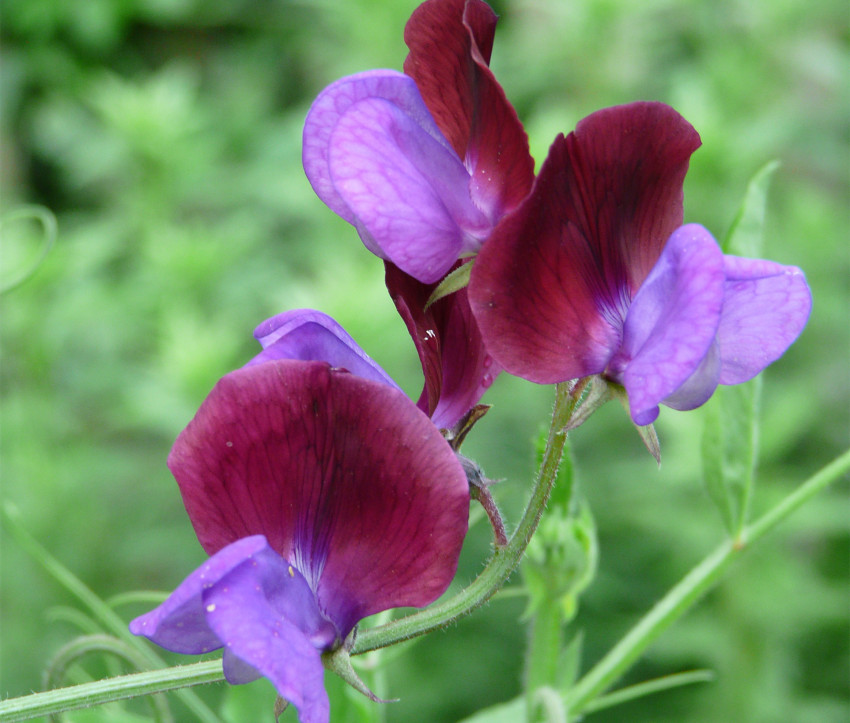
[[504, 560], [485, 499], [690, 589], [545, 643]]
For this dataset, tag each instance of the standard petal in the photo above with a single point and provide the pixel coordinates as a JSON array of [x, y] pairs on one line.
[[457, 367], [347, 479], [329, 107], [310, 335], [765, 307], [450, 43], [671, 326], [406, 189], [552, 285]]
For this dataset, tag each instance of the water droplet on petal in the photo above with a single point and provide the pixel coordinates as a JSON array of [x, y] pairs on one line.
[[488, 361], [486, 381], [211, 607]]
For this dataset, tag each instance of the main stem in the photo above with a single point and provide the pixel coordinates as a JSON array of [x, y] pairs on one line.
[[504, 560]]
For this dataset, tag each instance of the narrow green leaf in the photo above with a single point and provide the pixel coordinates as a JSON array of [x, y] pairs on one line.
[[509, 712], [729, 445], [454, 281], [649, 687], [746, 235], [101, 611]]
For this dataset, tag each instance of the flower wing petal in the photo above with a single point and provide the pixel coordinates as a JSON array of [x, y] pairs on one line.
[[671, 326], [310, 335], [407, 190], [255, 633], [180, 624], [450, 43], [765, 307], [333, 102]]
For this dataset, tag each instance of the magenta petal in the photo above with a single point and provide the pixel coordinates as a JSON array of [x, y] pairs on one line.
[[671, 326], [450, 43], [765, 307], [551, 286], [345, 477], [407, 190], [457, 367], [310, 335]]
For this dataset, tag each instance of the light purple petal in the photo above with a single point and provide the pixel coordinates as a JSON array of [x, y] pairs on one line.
[[309, 335], [255, 633], [248, 599], [765, 307], [407, 190], [180, 624], [672, 323], [333, 102]]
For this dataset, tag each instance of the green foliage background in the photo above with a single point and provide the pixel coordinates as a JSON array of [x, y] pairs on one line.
[[165, 136]]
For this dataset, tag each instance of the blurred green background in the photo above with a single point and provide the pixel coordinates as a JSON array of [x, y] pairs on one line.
[[165, 136]]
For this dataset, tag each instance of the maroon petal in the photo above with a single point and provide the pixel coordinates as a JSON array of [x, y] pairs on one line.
[[450, 43], [457, 367], [551, 287], [347, 480]]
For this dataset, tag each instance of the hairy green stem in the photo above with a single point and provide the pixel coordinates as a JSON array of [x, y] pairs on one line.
[[109, 690], [690, 589], [504, 560]]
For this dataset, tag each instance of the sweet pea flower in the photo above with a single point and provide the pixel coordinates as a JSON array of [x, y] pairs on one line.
[[595, 274], [424, 164], [323, 497]]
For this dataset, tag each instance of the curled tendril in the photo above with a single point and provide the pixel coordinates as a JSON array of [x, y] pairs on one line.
[[45, 218]]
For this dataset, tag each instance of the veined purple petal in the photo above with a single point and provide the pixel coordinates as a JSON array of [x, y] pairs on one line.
[[671, 326], [409, 191], [338, 98], [249, 600], [346, 478], [765, 307], [254, 632], [310, 335]]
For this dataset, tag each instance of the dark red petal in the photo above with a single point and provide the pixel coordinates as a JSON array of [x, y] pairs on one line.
[[344, 476], [450, 43], [457, 367], [551, 286]]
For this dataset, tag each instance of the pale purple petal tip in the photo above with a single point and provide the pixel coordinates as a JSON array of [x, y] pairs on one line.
[[375, 156], [248, 599], [671, 326], [308, 335], [765, 307], [179, 624]]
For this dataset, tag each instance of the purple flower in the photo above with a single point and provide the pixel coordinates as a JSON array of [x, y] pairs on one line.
[[595, 274], [423, 165], [322, 497]]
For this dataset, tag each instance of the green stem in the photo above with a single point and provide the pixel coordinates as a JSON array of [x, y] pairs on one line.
[[690, 589], [545, 641], [109, 690], [504, 560]]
